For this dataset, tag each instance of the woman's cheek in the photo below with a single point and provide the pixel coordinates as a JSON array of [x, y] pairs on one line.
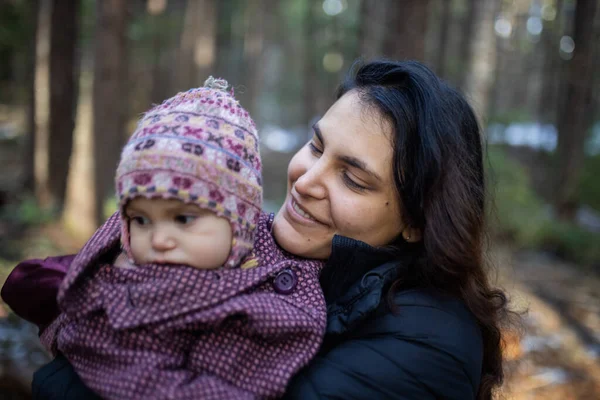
[[346, 214]]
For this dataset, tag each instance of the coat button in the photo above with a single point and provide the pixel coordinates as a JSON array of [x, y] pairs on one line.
[[285, 282]]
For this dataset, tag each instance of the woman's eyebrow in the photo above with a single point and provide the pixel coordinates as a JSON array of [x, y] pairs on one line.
[[352, 161], [357, 163], [318, 133]]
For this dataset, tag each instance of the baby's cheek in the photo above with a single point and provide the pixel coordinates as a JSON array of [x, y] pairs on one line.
[[137, 245]]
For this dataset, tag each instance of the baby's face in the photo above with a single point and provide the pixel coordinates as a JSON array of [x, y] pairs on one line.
[[171, 232]]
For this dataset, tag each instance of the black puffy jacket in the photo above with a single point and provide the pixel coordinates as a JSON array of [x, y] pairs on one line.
[[428, 347]]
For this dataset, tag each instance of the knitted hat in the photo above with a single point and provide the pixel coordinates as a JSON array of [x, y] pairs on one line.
[[200, 147]]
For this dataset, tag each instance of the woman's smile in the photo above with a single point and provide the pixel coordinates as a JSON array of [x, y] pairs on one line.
[[301, 213]]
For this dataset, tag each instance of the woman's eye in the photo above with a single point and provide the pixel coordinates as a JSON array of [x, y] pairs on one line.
[[140, 220], [185, 219], [314, 149], [351, 184]]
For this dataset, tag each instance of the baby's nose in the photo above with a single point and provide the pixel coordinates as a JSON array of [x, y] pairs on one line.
[[162, 240]]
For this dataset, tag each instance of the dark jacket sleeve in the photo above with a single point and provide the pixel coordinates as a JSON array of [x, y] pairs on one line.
[[31, 288], [424, 352]]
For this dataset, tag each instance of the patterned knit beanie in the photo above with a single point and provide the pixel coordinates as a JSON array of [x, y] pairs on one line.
[[200, 147]]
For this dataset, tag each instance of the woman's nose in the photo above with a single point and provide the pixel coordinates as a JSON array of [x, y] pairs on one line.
[[311, 182], [162, 239]]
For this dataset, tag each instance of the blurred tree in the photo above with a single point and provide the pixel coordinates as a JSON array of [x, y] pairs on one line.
[[109, 96], [445, 18], [468, 25], [159, 35], [521, 54], [406, 29], [30, 129], [14, 34], [482, 56], [42, 102], [229, 40], [311, 62], [574, 119], [371, 29], [258, 31], [197, 43], [551, 70], [64, 73]]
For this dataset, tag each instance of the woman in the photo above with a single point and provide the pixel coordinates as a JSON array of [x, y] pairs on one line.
[[391, 191], [396, 163]]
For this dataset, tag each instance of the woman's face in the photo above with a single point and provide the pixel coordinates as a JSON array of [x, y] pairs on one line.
[[341, 183]]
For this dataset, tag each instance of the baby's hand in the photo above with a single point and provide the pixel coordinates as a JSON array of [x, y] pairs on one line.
[[123, 262]]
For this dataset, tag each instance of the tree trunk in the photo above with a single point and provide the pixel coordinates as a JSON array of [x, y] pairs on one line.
[[311, 74], [552, 62], [468, 27], [197, 43], [372, 31], [574, 120], [445, 16], [160, 79], [258, 19], [406, 29], [30, 129], [109, 96], [482, 62], [519, 60], [42, 103], [224, 40], [63, 96]]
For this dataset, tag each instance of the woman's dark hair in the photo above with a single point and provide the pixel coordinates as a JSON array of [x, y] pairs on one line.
[[439, 175]]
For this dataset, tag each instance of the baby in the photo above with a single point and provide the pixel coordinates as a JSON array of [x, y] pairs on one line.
[[183, 293]]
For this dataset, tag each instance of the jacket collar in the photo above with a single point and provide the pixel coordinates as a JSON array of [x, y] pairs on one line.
[[356, 277], [350, 259]]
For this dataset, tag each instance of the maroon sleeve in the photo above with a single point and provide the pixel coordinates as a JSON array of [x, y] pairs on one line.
[[31, 288]]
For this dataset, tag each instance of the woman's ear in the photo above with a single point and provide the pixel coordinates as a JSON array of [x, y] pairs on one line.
[[412, 235]]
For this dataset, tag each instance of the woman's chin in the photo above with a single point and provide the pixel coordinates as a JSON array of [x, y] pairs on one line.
[[297, 243]]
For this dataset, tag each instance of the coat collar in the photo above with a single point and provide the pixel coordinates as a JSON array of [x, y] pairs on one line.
[[356, 277]]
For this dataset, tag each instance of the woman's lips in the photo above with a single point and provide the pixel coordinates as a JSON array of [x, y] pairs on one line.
[[300, 215], [301, 211]]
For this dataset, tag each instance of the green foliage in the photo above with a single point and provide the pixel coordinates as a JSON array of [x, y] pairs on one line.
[[523, 218], [15, 33], [110, 206], [589, 185], [27, 212], [87, 23], [149, 32], [570, 242], [14, 26], [511, 117], [519, 212]]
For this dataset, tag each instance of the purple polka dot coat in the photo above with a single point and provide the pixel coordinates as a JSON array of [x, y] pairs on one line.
[[175, 332]]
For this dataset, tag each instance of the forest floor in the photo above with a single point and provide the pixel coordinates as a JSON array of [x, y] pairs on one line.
[[557, 355]]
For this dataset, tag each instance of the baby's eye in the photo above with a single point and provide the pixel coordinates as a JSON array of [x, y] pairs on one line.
[[140, 220], [185, 219]]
